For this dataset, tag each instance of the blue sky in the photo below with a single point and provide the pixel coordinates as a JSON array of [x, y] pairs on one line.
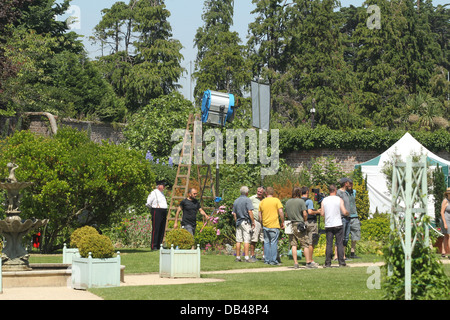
[[185, 20]]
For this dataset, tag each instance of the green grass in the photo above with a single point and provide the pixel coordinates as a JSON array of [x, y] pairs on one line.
[[316, 284], [146, 261]]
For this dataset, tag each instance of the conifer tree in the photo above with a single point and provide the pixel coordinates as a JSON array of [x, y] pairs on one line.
[[221, 63]]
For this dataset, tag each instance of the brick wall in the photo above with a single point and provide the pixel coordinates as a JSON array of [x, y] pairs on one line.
[[113, 133], [348, 158]]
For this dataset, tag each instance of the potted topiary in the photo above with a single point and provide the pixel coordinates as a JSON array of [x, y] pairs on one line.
[[180, 261], [75, 238], [97, 267]]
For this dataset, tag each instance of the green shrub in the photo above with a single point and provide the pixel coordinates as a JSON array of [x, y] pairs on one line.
[[362, 200], [99, 245], [428, 278], [377, 228], [207, 235], [180, 238], [80, 233]]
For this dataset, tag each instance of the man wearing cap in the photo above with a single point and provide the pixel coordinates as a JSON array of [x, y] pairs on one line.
[[157, 204], [343, 194], [355, 224]]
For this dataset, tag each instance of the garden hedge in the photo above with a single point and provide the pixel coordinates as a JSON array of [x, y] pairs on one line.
[[322, 137]]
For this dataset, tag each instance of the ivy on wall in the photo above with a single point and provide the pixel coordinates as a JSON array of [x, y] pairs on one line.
[[322, 137]]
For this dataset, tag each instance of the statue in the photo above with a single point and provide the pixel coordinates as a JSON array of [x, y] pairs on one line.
[[13, 228], [13, 193], [12, 176]]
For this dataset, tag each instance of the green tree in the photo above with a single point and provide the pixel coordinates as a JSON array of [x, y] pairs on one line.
[[115, 28], [221, 64], [317, 65], [151, 128], [145, 61], [74, 178], [8, 15], [267, 39], [267, 45], [57, 81], [439, 187], [396, 60]]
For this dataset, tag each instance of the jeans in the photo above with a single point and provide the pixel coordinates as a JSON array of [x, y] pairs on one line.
[[271, 245], [337, 232], [346, 225]]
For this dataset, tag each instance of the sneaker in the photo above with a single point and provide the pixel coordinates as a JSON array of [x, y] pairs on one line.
[[343, 266], [250, 260], [296, 266], [354, 256], [327, 266], [237, 260], [311, 266]]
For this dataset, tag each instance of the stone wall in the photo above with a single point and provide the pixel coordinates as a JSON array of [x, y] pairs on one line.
[[39, 124]]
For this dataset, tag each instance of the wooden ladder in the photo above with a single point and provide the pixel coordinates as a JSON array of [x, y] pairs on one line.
[[184, 171]]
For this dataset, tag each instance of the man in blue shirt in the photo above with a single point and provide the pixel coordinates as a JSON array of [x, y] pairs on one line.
[[311, 224], [245, 223]]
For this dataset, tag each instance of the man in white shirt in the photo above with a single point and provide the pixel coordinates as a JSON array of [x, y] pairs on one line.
[[332, 208], [157, 204]]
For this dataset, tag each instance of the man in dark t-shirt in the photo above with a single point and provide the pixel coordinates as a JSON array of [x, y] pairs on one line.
[[190, 206]]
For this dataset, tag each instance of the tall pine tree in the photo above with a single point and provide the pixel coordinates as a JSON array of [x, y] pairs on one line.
[[221, 63], [145, 61]]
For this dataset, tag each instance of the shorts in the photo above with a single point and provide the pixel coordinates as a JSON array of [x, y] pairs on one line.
[[258, 234], [355, 229], [313, 232], [297, 238], [243, 232]]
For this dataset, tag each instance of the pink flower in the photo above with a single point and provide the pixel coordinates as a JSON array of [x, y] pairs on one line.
[[218, 232]]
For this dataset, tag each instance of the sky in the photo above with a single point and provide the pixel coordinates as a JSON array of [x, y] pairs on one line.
[[185, 19]]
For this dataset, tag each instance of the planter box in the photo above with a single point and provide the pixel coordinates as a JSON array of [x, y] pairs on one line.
[[179, 263], [69, 253], [95, 273]]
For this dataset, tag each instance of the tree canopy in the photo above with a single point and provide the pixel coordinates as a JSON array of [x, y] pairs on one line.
[[310, 52], [75, 180]]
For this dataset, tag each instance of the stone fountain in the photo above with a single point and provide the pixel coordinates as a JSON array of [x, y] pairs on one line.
[[13, 228]]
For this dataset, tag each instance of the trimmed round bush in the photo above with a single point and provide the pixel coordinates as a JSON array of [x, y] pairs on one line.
[[180, 238], [79, 234], [99, 245]]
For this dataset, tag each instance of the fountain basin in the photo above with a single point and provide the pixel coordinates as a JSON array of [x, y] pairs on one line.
[[43, 275]]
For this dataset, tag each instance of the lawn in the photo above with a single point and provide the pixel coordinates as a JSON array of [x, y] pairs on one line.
[[302, 284], [318, 284]]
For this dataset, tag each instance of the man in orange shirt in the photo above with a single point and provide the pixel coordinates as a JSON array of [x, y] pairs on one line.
[[270, 214]]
